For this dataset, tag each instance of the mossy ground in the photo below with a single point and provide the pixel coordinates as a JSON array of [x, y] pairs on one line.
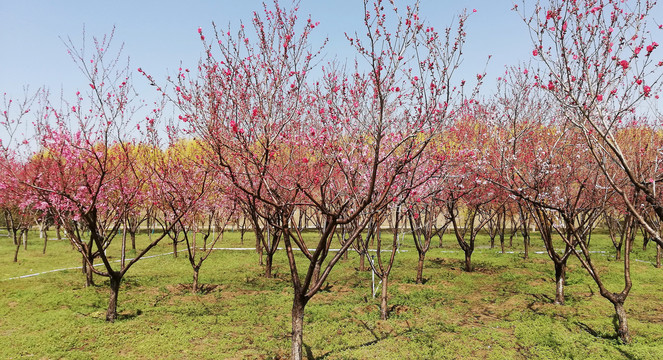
[[502, 310]]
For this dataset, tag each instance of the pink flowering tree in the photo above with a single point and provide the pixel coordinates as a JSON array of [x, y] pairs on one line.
[[600, 65], [335, 146], [85, 165]]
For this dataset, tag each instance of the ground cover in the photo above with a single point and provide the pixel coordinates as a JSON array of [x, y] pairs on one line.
[[503, 310]]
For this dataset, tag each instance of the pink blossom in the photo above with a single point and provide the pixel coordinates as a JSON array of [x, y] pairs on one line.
[[200, 30], [535, 52], [624, 64], [646, 89], [599, 97]]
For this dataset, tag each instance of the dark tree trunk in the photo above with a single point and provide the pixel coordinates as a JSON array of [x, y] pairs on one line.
[[175, 248], [194, 286], [560, 278], [45, 243], [384, 297], [621, 324], [492, 241], [502, 243], [297, 328], [468, 260], [269, 258], [658, 256], [111, 313], [362, 266], [133, 239], [618, 256], [18, 247], [57, 232], [420, 268], [526, 245], [89, 280]]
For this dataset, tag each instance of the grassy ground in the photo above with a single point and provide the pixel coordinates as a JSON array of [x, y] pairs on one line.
[[503, 310]]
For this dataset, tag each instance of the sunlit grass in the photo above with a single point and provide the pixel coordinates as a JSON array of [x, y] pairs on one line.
[[503, 310]]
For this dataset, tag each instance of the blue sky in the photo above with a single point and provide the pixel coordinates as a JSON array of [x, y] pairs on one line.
[[157, 35]]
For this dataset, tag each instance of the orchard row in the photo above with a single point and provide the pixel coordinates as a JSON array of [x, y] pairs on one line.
[[266, 135]]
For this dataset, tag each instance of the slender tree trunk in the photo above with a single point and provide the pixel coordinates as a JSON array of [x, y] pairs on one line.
[[526, 245], [362, 266], [268, 264], [175, 247], [87, 269], [57, 232], [658, 256], [45, 243], [111, 313], [618, 256], [502, 243], [468, 260], [194, 286], [297, 328], [25, 240], [18, 247], [560, 277], [622, 324], [133, 239], [420, 268], [384, 297], [492, 242]]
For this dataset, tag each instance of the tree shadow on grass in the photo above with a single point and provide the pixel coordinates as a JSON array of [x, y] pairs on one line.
[[595, 333], [377, 338]]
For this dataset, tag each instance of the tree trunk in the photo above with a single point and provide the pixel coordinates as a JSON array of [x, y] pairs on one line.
[[362, 266], [16, 252], [492, 242], [175, 248], [621, 325], [87, 269], [45, 243], [133, 239], [194, 286], [468, 260], [57, 232], [526, 245], [111, 313], [618, 256], [297, 328], [420, 268], [268, 264], [25, 240], [502, 243], [384, 295], [560, 277], [658, 256]]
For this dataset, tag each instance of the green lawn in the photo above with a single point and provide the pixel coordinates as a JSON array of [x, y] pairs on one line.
[[503, 310]]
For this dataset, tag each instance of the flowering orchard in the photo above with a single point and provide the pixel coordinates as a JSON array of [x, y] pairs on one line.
[[267, 132]]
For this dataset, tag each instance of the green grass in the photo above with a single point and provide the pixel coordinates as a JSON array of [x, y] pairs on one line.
[[503, 310]]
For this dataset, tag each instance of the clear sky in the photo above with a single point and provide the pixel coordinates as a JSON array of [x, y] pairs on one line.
[[157, 35]]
